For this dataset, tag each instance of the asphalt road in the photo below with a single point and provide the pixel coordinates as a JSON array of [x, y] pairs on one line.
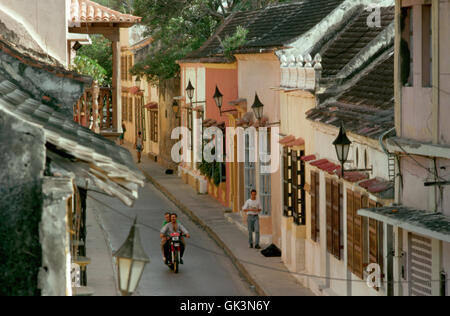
[[207, 271]]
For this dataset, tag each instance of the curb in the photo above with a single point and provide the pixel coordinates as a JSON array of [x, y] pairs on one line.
[[209, 231]]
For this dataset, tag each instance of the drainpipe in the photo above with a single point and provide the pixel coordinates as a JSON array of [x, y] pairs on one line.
[[382, 137]]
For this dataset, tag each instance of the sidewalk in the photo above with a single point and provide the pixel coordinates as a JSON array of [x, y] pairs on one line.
[[269, 276]]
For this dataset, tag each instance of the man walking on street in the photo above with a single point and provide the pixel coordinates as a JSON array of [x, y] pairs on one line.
[[139, 146], [253, 208]]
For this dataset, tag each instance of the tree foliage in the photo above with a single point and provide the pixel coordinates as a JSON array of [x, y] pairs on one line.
[[101, 52], [124, 6], [231, 43], [87, 66], [179, 27]]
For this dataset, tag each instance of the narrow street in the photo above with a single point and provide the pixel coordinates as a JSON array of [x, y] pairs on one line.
[[207, 271]]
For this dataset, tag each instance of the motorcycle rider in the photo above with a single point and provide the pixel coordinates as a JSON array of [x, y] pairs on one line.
[[173, 227]]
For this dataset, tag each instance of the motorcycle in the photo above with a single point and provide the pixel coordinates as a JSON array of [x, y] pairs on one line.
[[174, 258]]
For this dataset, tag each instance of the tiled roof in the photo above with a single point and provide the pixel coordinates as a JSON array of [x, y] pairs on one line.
[[355, 37], [61, 132], [86, 11], [367, 107], [376, 186], [271, 27], [435, 225]]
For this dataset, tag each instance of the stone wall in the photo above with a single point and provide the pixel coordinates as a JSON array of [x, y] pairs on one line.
[[22, 148]]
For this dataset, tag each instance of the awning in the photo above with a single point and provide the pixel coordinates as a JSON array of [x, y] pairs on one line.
[[135, 90], [433, 225], [209, 122], [284, 141], [238, 102], [297, 144], [151, 106], [198, 109]]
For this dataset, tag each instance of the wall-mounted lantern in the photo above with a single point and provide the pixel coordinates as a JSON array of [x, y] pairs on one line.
[[258, 110], [342, 145]]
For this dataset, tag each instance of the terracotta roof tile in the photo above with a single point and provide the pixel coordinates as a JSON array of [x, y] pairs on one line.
[[368, 183], [135, 90], [151, 105], [380, 187], [319, 162], [309, 158], [376, 185], [86, 11], [287, 139], [296, 142], [355, 177]]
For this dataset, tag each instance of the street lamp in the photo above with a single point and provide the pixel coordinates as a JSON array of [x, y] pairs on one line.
[[342, 145], [258, 108], [175, 107], [218, 98], [131, 260], [190, 91]]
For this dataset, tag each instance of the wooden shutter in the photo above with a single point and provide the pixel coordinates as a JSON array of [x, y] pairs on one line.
[[350, 199], [329, 216], [420, 261], [314, 207], [358, 237], [336, 218], [130, 65]]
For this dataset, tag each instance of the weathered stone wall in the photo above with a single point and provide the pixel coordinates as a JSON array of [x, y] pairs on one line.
[[54, 277], [22, 160]]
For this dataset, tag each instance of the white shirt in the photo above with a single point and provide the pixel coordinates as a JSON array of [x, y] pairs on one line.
[[252, 204], [168, 229]]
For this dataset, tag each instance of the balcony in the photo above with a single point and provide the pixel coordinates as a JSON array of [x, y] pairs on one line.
[[96, 106]]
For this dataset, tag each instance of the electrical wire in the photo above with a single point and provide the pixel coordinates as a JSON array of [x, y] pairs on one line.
[[249, 262], [415, 160]]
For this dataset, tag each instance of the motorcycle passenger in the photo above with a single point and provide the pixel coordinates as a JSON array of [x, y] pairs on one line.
[[163, 240], [174, 227]]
